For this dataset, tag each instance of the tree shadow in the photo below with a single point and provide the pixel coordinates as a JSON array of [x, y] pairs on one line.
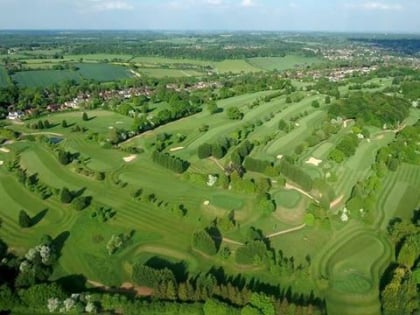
[[38, 217], [215, 235], [78, 193], [59, 241], [179, 269], [91, 118], [73, 283]]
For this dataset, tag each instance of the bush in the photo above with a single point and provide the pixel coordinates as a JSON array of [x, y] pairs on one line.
[[251, 253], [81, 202], [66, 195], [204, 150], [204, 243]]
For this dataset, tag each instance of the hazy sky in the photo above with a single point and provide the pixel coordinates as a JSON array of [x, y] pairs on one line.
[[310, 15]]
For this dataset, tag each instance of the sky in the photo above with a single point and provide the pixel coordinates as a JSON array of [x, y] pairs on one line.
[[272, 15]]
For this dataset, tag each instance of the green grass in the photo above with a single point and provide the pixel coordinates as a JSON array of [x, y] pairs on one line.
[[235, 66], [44, 78], [282, 63], [98, 57], [351, 265], [287, 198], [4, 77], [227, 202], [172, 73], [103, 72]]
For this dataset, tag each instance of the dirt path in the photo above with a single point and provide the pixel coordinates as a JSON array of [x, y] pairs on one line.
[[126, 286], [42, 133], [336, 201], [290, 186], [217, 162], [296, 228], [228, 240]]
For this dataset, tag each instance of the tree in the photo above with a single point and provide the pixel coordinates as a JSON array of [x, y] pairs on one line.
[[204, 150], [66, 196], [81, 202], [38, 295], [400, 295], [204, 242], [8, 300], [234, 113], [25, 220], [64, 124], [327, 99], [85, 116], [315, 104]]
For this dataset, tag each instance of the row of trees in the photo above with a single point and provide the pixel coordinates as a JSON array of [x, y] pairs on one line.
[[400, 293], [171, 162]]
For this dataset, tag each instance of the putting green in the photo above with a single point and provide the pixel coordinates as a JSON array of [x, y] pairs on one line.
[[226, 201]]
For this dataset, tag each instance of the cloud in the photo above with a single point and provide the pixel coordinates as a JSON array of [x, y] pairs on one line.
[[377, 6], [110, 5], [248, 3]]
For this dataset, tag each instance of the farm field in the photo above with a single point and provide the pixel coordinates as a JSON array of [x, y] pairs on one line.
[[4, 77], [103, 72], [171, 73], [44, 78], [282, 63], [98, 72]]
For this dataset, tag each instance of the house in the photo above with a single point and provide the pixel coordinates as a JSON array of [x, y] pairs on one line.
[[15, 115]]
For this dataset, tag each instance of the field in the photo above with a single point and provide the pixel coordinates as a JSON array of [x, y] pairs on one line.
[[98, 72], [44, 78], [102, 72], [4, 77], [282, 63]]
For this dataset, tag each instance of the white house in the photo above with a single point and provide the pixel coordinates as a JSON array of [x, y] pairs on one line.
[[15, 115]]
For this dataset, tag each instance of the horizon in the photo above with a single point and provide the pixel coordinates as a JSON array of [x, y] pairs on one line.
[[342, 16]]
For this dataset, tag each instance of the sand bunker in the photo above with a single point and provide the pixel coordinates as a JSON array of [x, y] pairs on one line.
[[313, 161], [206, 202], [280, 156], [176, 149], [5, 150], [1, 163], [129, 158]]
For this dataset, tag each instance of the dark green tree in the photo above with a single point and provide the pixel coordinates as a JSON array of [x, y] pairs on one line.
[[25, 220], [66, 195]]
